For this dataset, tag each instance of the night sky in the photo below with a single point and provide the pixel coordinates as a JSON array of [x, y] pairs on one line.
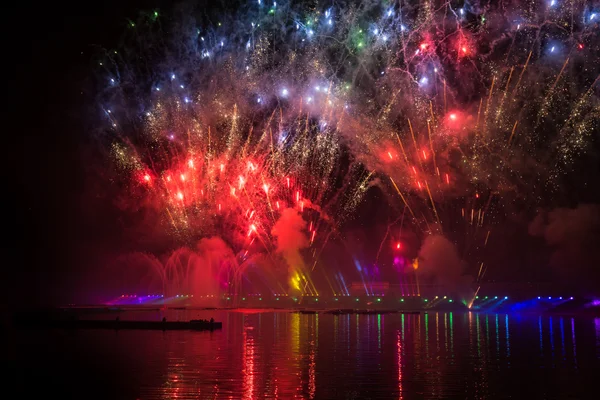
[[62, 223]]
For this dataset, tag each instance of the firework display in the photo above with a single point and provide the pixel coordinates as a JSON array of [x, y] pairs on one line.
[[264, 125]]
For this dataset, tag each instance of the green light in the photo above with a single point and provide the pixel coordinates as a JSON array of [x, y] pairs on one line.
[[357, 300], [450, 301], [228, 298], [156, 13], [316, 299], [378, 299], [425, 300], [476, 297], [360, 44], [272, 11], [260, 298], [336, 299], [219, 24], [485, 298], [277, 299], [243, 298], [295, 299], [402, 300]]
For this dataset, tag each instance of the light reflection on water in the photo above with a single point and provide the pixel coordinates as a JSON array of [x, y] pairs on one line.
[[405, 356]]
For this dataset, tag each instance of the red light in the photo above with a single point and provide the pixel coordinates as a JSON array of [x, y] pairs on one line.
[[423, 46], [453, 117], [180, 196], [464, 49], [476, 195], [580, 46], [147, 178], [398, 246]]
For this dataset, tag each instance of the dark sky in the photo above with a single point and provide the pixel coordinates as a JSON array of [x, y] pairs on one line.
[[44, 176], [55, 222]]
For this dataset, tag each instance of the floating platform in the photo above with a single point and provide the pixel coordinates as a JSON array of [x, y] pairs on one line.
[[193, 325]]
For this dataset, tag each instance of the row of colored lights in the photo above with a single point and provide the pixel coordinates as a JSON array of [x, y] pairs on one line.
[[335, 298]]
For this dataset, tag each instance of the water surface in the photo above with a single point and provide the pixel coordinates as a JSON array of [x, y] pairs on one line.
[[289, 355]]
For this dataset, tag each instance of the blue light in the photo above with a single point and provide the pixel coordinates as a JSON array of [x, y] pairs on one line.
[[390, 12], [571, 298], [552, 3], [385, 38], [375, 31], [284, 92], [329, 21], [181, 86], [505, 297], [549, 298], [560, 298], [186, 99], [258, 100], [423, 80], [172, 76], [462, 11], [310, 32], [402, 28], [593, 16], [112, 80], [552, 49]]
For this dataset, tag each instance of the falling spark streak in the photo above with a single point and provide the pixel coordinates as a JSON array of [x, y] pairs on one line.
[[432, 148], [499, 112], [487, 106], [486, 238], [551, 91], [479, 273], [433, 205], [403, 199], [521, 74], [402, 148], [512, 133]]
